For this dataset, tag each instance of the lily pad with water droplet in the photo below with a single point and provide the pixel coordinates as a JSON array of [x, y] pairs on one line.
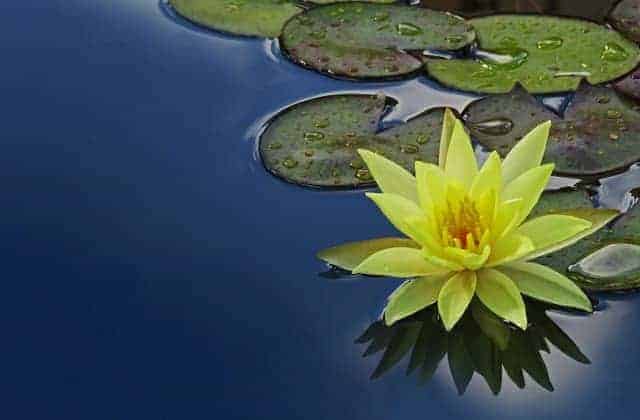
[[598, 133], [263, 18], [544, 54], [315, 143], [365, 40], [625, 17]]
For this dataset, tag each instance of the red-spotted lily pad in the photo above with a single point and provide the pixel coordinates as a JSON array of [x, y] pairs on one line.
[[598, 133], [315, 143], [544, 54], [364, 40], [241, 17]]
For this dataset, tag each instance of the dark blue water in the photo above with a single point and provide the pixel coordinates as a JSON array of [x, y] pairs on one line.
[[153, 270]]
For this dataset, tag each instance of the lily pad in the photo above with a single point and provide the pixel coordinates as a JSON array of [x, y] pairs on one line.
[[263, 18], [598, 133], [544, 54], [315, 143], [364, 40], [625, 17], [616, 266], [343, 1]]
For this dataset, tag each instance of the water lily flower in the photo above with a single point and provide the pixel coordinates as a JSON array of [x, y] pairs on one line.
[[468, 232]]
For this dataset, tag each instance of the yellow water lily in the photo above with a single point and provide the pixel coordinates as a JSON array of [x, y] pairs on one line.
[[468, 232]]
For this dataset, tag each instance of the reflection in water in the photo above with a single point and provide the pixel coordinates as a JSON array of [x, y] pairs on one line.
[[481, 343]]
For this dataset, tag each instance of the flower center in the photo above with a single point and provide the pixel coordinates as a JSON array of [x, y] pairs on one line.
[[462, 226]]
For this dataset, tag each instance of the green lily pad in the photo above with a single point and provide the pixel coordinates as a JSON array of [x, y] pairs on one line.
[[616, 266], [598, 133], [544, 54], [364, 40], [263, 18], [315, 143], [625, 17]]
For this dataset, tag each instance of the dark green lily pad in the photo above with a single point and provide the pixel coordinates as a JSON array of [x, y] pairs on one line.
[[598, 133], [364, 40], [625, 17], [315, 143], [544, 54], [241, 17]]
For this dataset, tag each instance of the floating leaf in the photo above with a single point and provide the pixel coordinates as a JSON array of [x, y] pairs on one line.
[[543, 53], [343, 1], [598, 133], [264, 18], [625, 17], [370, 40], [350, 255], [315, 143]]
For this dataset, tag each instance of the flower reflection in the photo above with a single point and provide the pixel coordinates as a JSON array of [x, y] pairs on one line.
[[481, 343]]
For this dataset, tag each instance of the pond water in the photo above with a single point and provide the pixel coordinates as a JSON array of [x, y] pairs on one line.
[[154, 270]]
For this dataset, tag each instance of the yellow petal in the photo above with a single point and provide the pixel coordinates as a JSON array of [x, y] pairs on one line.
[[398, 262], [445, 137], [510, 248], [397, 209], [455, 296], [507, 218], [468, 259], [547, 285], [461, 162], [527, 153], [390, 177], [529, 187], [413, 296], [348, 256], [598, 218], [500, 294], [444, 262], [489, 177], [551, 229], [431, 185], [423, 230]]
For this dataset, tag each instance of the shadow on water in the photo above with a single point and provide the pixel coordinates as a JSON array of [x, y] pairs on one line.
[[480, 343]]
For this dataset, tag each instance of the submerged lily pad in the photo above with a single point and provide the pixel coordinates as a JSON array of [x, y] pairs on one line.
[[625, 17], [242, 17], [542, 53], [363, 40], [598, 133], [315, 143]]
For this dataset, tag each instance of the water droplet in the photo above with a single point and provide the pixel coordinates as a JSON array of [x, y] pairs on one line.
[[409, 148], [363, 174], [506, 59], [550, 43], [274, 146], [380, 17], [408, 29], [308, 153], [322, 123], [614, 136], [494, 127], [613, 114], [454, 39], [613, 52], [356, 164], [603, 99], [289, 163], [422, 139], [313, 136]]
